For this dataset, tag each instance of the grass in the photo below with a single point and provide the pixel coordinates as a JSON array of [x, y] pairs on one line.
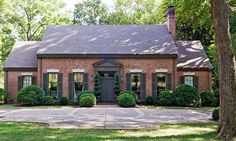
[[10, 131], [176, 107], [13, 107]]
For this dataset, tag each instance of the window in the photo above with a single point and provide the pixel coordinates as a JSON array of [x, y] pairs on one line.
[[27, 81], [188, 80], [135, 84], [78, 83], [161, 82], [53, 84]]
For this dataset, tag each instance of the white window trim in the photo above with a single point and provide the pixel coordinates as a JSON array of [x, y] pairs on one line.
[[161, 70], [78, 70], [189, 73], [135, 70], [52, 70], [26, 73]]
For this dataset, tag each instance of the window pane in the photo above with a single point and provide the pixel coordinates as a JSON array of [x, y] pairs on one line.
[[188, 80], [52, 84], [27, 81], [161, 82], [78, 83], [135, 84]]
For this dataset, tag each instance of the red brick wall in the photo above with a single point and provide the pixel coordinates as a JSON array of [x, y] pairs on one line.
[[204, 79], [12, 83], [148, 66]]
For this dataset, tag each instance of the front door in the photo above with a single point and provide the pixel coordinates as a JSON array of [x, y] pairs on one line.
[[107, 89]]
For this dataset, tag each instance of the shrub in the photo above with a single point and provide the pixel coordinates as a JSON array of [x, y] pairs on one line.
[[87, 94], [217, 95], [187, 96], [3, 95], [166, 98], [30, 95], [215, 114], [131, 93], [63, 101], [149, 100], [126, 100], [208, 98], [84, 92], [48, 100], [87, 101]]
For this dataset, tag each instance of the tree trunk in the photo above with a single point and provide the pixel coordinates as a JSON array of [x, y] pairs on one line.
[[226, 58]]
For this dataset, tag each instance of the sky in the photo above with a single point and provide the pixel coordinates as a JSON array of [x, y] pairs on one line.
[[70, 3]]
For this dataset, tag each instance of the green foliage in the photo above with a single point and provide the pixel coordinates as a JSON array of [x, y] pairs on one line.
[[149, 100], [208, 98], [63, 101], [48, 100], [126, 100], [216, 114], [3, 95], [166, 98], [131, 93], [117, 86], [87, 101], [97, 87], [84, 94], [187, 96], [30, 95], [90, 12]]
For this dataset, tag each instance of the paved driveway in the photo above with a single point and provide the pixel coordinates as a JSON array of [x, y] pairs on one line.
[[108, 118]]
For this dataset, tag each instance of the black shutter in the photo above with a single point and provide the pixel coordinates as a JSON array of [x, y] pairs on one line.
[[71, 86], [195, 81], [33, 80], [143, 86], [45, 83], [128, 81], [181, 79], [168, 81], [20, 82], [60, 85], [154, 87], [85, 83]]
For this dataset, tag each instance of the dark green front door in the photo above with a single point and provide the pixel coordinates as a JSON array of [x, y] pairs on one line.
[[107, 89]]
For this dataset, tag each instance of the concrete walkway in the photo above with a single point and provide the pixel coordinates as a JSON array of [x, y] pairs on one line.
[[105, 118]]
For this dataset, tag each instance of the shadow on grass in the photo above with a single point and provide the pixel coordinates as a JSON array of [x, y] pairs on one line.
[[36, 132]]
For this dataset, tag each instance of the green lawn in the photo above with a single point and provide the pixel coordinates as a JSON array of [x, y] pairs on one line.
[[10, 131], [176, 107], [12, 106]]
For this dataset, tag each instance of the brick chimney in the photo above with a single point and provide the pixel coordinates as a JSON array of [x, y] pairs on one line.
[[171, 21]]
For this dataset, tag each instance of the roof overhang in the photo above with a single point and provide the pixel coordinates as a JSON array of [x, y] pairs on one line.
[[107, 56], [194, 69], [20, 69]]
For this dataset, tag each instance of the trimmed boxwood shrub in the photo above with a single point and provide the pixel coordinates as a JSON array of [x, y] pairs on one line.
[[126, 100], [30, 95], [63, 101], [131, 93], [82, 93], [3, 95], [215, 114], [87, 101], [187, 96], [166, 98], [208, 98], [149, 100], [48, 100]]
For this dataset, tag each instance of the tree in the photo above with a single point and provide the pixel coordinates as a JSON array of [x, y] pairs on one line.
[[117, 86], [97, 86], [90, 12], [226, 68], [30, 17]]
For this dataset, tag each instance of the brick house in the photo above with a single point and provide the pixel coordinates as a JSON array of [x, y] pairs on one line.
[[148, 59]]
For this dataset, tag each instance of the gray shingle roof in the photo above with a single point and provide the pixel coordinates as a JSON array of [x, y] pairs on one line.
[[192, 55], [107, 39], [23, 55]]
